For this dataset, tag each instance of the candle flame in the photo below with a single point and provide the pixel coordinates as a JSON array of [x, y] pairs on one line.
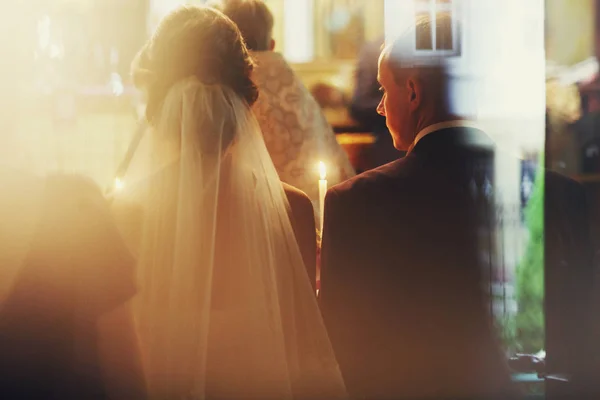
[[322, 170], [119, 184]]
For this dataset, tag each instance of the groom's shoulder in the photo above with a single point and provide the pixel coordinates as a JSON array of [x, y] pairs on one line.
[[383, 177]]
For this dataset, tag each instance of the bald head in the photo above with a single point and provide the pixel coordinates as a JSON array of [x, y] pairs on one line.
[[414, 82], [412, 55]]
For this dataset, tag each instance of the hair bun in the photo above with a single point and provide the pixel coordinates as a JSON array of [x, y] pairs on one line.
[[248, 90], [194, 41]]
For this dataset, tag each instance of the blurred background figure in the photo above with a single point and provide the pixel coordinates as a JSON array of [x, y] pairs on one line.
[[366, 97]]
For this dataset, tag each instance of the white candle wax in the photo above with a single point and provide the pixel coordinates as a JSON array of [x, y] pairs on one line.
[[322, 192]]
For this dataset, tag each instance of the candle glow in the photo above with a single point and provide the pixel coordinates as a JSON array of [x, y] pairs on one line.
[[322, 170]]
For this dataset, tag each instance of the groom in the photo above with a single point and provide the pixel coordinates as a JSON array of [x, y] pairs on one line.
[[402, 292]]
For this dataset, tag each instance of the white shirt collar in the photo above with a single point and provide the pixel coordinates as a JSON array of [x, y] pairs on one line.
[[438, 127]]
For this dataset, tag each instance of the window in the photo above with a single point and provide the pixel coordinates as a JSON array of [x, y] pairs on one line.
[[312, 30], [298, 23], [442, 35], [341, 27]]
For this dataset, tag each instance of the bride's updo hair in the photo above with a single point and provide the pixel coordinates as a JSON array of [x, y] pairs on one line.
[[195, 42]]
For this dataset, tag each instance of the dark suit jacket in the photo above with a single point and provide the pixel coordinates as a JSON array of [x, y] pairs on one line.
[[302, 217], [401, 280], [366, 96]]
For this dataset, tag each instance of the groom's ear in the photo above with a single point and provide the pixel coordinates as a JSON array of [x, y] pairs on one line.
[[414, 90], [272, 45]]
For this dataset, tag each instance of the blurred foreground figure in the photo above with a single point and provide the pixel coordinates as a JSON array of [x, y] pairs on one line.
[[296, 132], [402, 287], [571, 279], [66, 330], [226, 309], [571, 338], [367, 96]]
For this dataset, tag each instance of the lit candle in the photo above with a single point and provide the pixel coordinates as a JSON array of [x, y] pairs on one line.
[[322, 192]]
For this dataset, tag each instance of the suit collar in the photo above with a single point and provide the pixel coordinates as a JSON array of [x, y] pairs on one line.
[[441, 126], [453, 138]]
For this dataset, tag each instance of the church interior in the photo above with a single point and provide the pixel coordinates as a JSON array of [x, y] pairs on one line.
[[538, 97]]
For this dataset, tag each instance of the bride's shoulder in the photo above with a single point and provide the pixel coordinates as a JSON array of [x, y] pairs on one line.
[[301, 208], [298, 200]]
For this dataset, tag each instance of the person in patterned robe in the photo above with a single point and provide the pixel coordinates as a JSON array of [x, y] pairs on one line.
[[294, 127]]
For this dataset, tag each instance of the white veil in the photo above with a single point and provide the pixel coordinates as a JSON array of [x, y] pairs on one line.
[[225, 307]]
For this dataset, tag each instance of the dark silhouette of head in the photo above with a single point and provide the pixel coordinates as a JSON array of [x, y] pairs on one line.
[[254, 20]]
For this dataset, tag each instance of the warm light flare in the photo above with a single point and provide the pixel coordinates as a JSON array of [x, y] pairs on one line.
[[119, 184], [322, 170]]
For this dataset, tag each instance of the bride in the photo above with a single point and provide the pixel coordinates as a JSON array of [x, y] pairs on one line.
[[226, 309]]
